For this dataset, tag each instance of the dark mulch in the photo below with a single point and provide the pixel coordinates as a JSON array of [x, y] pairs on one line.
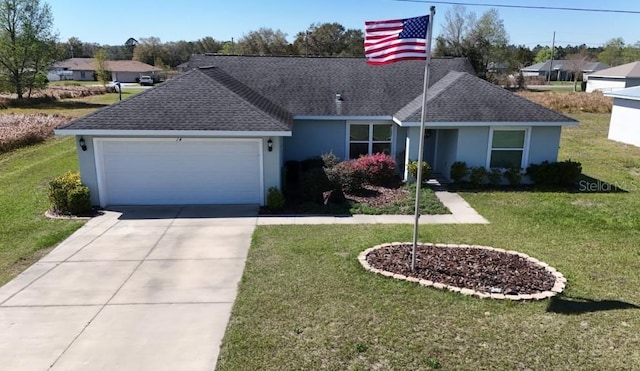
[[377, 196], [473, 268]]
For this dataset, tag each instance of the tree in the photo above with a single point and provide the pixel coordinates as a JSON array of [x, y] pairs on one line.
[[27, 43], [329, 39], [576, 63], [149, 49], [130, 46], [264, 41], [544, 54], [458, 24], [102, 70], [482, 40], [612, 53]]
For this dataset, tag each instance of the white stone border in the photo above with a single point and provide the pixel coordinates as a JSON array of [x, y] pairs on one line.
[[558, 287]]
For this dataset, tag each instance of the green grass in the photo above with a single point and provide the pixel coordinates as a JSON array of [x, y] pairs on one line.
[[24, 177], [25, 233], [73, 83], [429, 205], [307, 304]]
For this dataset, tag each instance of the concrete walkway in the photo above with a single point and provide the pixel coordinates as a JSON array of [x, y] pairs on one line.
[[461, 213], [145, 288]]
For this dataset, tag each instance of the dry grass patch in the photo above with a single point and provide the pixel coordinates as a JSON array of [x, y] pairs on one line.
[[571, 102], [52, 93], [18, 130]]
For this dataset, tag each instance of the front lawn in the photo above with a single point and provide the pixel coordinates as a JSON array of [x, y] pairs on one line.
[[25, 233], [306, 303]]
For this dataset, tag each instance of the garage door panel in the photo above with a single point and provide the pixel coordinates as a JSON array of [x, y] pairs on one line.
[[181, 172]]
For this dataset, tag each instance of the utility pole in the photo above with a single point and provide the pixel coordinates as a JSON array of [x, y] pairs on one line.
[[553, 48]]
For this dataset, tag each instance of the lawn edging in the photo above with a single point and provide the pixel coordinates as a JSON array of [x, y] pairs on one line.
[[558, 287]]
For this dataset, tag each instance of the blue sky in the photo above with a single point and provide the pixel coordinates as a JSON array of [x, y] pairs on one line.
[[113, 22]]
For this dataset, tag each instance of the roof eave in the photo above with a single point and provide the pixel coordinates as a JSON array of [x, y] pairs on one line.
[[449, 124], [173, 133]]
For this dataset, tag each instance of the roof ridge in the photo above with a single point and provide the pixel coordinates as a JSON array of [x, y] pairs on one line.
[[446, 84], [230, 83]]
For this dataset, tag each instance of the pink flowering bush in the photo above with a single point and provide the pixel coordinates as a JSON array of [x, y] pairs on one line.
[[379, 168]]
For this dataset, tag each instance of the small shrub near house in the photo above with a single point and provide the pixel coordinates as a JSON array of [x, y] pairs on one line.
[[311, 163], [379, 168], [564, 173], [478, 176], [412, 168], [314, 183], [67, 195], [347, 176], [275, 199], [459, 170], [329, 160], [495, 176], [513, 176]]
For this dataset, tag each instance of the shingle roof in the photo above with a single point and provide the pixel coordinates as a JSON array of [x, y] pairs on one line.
[[461, 97], [626, 70], [201, 99], [89, 64], [561, 64], [308, 86]]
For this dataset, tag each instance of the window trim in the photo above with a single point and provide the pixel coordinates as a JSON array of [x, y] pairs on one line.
[[525, 146], [370, 141]]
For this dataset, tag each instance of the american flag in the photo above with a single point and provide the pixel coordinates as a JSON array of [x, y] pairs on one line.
[[396, 40]]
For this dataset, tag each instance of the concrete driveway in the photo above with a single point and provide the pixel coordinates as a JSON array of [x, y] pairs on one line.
[[145, 288]]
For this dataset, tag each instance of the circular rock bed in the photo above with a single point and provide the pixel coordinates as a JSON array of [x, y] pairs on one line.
[[481, 271]]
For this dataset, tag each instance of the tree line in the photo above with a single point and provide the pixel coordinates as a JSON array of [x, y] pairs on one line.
[[28, 45], [320, 39]]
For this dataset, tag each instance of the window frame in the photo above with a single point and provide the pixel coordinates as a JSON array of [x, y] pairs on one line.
[[370, 142], [525, 145]]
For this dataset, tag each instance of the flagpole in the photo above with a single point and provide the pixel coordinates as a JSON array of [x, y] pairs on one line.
[[421, 146]]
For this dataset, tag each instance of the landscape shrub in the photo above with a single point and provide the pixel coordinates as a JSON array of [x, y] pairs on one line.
[[315, 162], [313, 183], [275, 198], [459, 170], [564, 173], [67, 194], [379, 168], [513, 176], [495, 176], [347, 176], [19, 130], [329, 159], [478, 175], [412, 168]]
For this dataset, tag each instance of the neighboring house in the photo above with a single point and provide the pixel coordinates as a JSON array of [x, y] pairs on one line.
[[561, 70], [619, 77], [83, 69], [625, 116], [223, 131]]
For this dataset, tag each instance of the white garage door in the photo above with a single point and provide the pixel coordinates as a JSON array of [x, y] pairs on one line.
[[179, 171]]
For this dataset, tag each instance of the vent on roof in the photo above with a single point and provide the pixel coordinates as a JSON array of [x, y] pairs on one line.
[[339, 97]]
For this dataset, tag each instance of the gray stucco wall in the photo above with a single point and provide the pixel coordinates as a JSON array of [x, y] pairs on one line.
[[87, 165], [545, 141], [272, 169], [312, 138], [473, 143], [447, 151]]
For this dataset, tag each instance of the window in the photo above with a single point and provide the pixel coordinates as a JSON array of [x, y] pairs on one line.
[[366, 139], [508, 148]]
